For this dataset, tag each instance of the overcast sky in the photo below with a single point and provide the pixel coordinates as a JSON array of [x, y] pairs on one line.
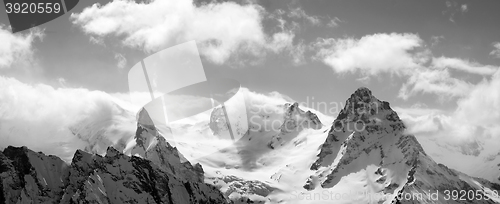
[[434, 60]]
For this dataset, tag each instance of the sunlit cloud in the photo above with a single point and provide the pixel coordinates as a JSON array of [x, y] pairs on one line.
[[477, 115], [59, 121], [371, 54], [222, 30], [403, 55]]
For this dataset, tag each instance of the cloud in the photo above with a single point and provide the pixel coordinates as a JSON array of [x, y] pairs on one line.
[[437, 82], [496, 52], [421, 121], [482, 105], [59, 121], [62, 81], [464, 8], [371, 54], [452, 8], [222, 29], [477, 115], [298, 53], [299, 13], [121, 60], [404, 55], [16, 48], [463, 65], [333, 23], [436, 39]]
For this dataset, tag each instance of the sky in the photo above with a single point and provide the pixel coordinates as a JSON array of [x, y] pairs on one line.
[[435, 61]]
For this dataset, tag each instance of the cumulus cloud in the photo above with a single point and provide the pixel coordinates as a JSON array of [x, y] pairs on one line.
[[58, 121], [222, 29], [405, 55], [16, 48], [496, 52], [371, 54]]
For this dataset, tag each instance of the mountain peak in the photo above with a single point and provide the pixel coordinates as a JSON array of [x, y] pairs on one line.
[[363, 120], [112, 152], [363, 91], [143, 119], [362, 94], [294, 116], [362, 105]]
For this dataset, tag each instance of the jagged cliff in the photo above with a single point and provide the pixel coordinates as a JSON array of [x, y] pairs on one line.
[[155, 175]]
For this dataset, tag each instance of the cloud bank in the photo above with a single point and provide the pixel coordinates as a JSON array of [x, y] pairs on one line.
[[59, 121], [477, 115]]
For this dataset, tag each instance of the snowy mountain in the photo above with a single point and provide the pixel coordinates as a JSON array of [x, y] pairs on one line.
[[283, 153], [158, 177], [364, 154], [368, 137]]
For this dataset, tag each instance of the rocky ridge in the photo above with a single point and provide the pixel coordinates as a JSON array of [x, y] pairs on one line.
[[155, 175]]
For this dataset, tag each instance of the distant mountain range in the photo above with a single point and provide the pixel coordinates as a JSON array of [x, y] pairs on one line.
[[285, 154]]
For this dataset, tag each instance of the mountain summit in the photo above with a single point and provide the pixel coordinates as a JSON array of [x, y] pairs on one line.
[[368, 137], [285, 155]]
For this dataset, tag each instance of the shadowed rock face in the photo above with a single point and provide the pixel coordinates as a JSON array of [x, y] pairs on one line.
[[159, 177], [151, 145], [28, 176], [295, 119], [31, 177]]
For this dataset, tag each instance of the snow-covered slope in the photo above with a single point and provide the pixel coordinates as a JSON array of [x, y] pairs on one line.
[[281, 153], [367, 141], [288, 156], [479, 157], [273, 135]]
